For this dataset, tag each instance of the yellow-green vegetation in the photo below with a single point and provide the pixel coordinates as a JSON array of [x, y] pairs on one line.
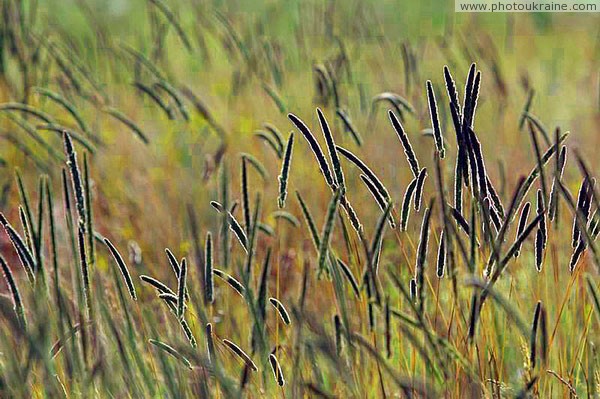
[[297, 199]]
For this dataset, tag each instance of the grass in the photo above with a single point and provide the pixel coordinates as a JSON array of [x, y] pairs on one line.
[[144, 125]]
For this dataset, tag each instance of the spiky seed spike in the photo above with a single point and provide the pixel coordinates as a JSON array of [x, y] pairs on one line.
[[285, 171], [281, 310], [263, 286], [422, 254], [85, 274], [14, 291], [580, 199], [522, 223], [350, 126], [210, 346], [478, 155], [208, 269], [309, 221], [27, 229], [376, 243], [327, 230], [441, 257], [468, 90], [553, 202], [122, 267], [474, 97], [539, 249], [75, 177], [337, 323], [451, 88], [348, 273], [381, 202], [234, 225], [245, 196], [236, 285], [460, 220], [25, 256], [316, 149], [435, 121], [419, 188], [493, 195], [410, 154], [413, 289], [474, 316], [241, 354], [388, 328], [406, 204], [365, 169], [160, 287], [181, 283], [540, 210], [333, 156], [462, 158], [169, 298], [576, 255], [277, 373], [172, 261], [275, 134], [533, 336]]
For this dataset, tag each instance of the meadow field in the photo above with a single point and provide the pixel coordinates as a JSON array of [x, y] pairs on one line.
[[298, 199]]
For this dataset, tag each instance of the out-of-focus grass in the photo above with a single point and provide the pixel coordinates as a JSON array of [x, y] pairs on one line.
[[142, 193]]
